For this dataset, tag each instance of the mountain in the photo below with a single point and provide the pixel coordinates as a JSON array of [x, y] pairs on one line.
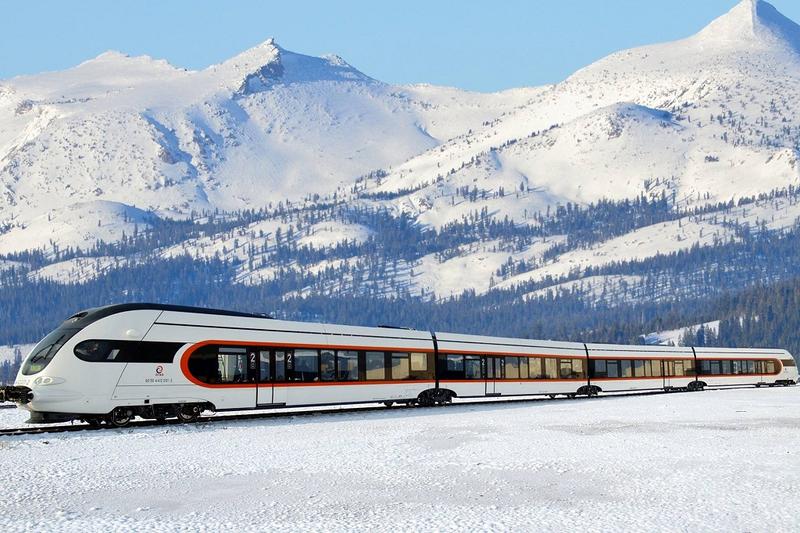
[[657, 174], [262, 127]]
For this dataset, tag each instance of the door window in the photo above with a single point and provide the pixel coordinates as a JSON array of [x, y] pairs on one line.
[[264, 373]]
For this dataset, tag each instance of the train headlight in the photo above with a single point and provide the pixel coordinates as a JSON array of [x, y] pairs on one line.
[[47, 380]]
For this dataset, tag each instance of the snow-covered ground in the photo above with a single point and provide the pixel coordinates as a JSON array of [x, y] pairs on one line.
[[673, 337], [712, 461]]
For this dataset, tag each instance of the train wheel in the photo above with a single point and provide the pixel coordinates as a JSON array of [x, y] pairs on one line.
[[120, 417], [444, 398], [188, 413]]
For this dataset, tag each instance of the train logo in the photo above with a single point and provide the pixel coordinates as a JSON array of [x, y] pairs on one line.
[[160, 370]]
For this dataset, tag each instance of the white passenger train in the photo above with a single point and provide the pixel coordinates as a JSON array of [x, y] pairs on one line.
[[111, 364]]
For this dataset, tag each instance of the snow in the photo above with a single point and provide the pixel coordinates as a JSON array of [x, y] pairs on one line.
[[77, 270], [711, 461], [611, 289], [673, 337], [7, 352]]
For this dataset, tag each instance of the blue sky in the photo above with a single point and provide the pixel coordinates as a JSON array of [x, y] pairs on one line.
[[475, 45]]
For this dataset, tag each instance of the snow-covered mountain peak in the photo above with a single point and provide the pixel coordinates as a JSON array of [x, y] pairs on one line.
[[266, 64], [753, 23]]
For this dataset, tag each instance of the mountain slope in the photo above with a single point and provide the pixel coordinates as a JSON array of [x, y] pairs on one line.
[[262, 127]]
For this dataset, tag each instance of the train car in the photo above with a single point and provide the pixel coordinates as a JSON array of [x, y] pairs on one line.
[[111, 364]]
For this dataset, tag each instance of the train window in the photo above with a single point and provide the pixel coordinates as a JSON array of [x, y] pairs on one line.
[[221, 364], [612, 369], [401, 368], [536, 368], [523, 367], [789, 362], [472, 367], [655, 367], [306, 367], [327, 365], [455, 363], [565, 367], [759, 367], [578, 368], [419, 362], [264, 373], [716, 367], [100, 350], [736, 367], [598, 368], [490, 374], [638, 369], [512, 367], [726, 367], [96, 351], [347, 366], [688, 367], [43, 353], [280, 365], [232, 365], [770, 366], [375, 365], [551, 368]]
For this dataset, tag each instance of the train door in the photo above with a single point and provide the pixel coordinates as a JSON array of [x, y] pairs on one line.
[[271, 374], [279, 362], [265, 378], [673, 373], [494, 371]]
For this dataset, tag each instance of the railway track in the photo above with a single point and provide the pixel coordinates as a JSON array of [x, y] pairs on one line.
[[257, 415]]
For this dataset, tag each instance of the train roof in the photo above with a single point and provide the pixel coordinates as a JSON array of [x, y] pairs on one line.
[[88, 316]]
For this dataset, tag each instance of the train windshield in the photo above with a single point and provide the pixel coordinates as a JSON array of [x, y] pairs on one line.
[[47, 348]]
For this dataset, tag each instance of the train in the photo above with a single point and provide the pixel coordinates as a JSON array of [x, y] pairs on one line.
[[109, 365]]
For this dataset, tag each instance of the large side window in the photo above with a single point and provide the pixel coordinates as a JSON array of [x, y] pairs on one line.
[[375, 362], [401, 367], [98, 350], [512, 367], [472, 367], [579, 369], [215, 364], [347, 365], [419, 362], [598, 368], [770, 367], [280, 364], [612, 369], [451, 366], [536, 368], [551, 368], [327, 365], [523, 367], [306, 365], [655, 368]]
